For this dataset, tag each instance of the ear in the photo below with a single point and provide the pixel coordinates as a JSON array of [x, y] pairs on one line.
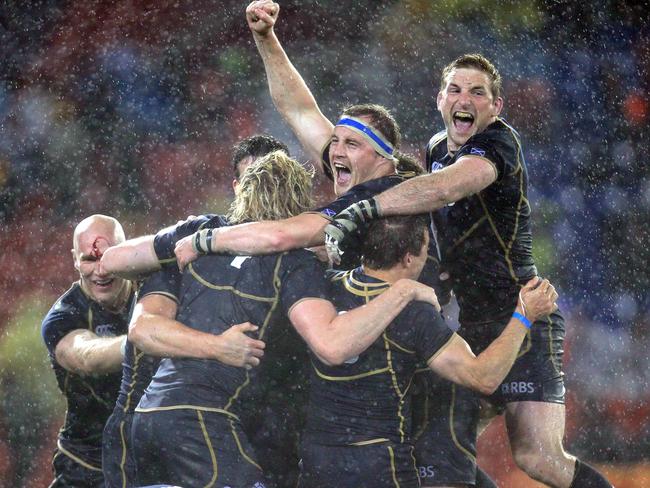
[[235, 184], [498, 105], [438, 99], [74, 259], [407, 260]]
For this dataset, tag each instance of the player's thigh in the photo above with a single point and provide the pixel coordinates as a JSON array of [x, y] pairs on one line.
[[118, 464], [382, 465], [535, 426], [445, 447]]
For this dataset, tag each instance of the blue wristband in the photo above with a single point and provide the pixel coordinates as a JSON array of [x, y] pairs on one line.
[[522, 319]]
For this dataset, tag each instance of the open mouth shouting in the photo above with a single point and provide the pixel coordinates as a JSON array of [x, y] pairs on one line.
[[103, 284], [463, 121], [343, 174]]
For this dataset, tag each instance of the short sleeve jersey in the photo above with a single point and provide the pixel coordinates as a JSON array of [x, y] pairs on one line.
[[166, 239], [368, 399], [485, 239], [90, 399], [216, 292]]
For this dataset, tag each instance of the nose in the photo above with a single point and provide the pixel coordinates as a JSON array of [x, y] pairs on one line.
[[464, 98]]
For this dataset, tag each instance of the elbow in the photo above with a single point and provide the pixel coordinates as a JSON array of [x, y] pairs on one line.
[[446, 196], [487, 387], [329, 355], [136, 336]]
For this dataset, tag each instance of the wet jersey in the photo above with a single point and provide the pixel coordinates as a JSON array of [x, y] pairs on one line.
[[485, 239], [90, 399], [216, 292], [367, 399], [165, 240], [362, 191]]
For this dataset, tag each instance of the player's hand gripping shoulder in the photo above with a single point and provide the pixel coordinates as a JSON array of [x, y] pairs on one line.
[[419, 292], [344, 232], [240, 350], [537, 299], [261, 16]]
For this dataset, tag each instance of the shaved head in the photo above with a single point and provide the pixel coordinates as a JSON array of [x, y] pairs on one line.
[[99, 224]]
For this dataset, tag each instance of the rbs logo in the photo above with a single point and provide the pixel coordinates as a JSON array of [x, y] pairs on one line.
[[426, 472], [518, 387]]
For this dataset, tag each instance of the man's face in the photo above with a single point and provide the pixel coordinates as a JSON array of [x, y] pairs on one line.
[[354, 160], [467, 105], [105, 289], [242, 164]]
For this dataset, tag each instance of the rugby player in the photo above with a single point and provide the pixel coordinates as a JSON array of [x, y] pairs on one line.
[[137, 257], [478, 185], [358, 426], [85, 332], [208, 402]]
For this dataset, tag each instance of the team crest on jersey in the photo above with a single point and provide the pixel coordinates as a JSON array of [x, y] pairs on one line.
[[329, 212], [476, 151], [436, 166]]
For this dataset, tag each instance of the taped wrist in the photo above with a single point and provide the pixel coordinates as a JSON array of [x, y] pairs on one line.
[[202, 242]]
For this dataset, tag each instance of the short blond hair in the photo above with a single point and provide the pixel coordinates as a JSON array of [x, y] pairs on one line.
[[478, 62], [274, 187]]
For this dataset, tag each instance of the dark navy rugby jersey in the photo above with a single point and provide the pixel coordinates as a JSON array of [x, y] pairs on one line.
[[485, 239], [368, 398], [90, 399], [368, 189], [216, 292], [165, 240]]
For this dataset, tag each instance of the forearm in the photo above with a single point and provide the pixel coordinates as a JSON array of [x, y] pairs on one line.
[[351, 333], [131, 259], [269, 237], [98, 356], [415, 196], [494, 363], [164, 337]]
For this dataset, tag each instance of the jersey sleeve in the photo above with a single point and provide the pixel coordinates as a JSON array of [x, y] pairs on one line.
[[498, 147], [431, 332], [62, 319], [165, 240], [165, 282], [303, 276]]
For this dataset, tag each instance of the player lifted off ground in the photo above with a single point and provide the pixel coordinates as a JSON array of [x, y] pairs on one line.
[[85, 334], [478, 186], [208, 401], [358, 428], [143, 255]]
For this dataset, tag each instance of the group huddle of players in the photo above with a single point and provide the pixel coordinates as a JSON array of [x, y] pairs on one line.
[[222, 351]]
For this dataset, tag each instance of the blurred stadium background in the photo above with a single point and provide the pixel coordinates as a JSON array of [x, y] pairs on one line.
[[130, 108]]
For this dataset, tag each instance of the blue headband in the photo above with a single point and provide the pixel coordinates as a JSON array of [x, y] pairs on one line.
[[381, 145]]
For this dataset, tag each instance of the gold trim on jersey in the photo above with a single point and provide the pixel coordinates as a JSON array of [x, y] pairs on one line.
[[551, 352], [213, 456], [369, 442], [467, 233], [136, 364], [451, 426], [274, 303], [167, 260], [229, 288], [443, 347], [391, 455], [241, 449], [361, 288], [350, 378], [76, 459], [123, 456], [401, 348], [186, 407], [165, 294], [400, 394]]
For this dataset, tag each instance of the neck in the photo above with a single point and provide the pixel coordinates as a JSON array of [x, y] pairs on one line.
[[390, 275]]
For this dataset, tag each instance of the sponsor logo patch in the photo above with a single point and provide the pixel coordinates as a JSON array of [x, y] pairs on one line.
[[477, 151]]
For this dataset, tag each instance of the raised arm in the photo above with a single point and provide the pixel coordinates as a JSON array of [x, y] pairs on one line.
[[335, 338], [289, 92], [304, 230], [485, 372], [86, 354], [154, 330], [131, 259], [426, 193]]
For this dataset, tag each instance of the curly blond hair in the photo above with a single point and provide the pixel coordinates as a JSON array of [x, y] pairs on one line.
[[274, 187]]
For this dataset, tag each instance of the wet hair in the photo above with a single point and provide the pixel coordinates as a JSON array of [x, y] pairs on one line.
[[408, 165], [478, 62], [380, 119], [274, 187], [255, 146], [389, 239]]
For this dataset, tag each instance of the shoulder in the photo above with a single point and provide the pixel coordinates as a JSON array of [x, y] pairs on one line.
[[68, 313]]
